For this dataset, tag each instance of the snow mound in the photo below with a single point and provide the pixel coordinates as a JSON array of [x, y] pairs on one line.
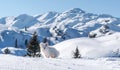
[[89, 48], [15, 51]]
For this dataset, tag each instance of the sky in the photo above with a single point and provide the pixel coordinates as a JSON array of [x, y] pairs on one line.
[[34, 7]]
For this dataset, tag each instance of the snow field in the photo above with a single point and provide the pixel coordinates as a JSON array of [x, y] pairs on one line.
[[9, 62]]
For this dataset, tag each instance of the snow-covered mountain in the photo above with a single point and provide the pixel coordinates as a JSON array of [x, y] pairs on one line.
[[57, 27]]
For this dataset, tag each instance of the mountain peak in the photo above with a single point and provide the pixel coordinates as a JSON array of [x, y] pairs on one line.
[[52, 12], [75, 10], [23, 15]]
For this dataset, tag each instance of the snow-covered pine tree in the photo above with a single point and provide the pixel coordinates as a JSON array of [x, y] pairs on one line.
[[33, 46]]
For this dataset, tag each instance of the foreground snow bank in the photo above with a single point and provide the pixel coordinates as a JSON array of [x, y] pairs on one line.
[[9, 62], [90, 48]]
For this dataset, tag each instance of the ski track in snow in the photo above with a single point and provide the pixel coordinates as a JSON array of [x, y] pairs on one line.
[[8, 62]]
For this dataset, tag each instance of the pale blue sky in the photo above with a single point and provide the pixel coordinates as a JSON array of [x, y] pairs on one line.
[[33, 7]]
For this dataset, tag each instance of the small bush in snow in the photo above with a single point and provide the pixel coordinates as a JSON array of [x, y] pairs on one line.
[[6, 51], [76, 53]]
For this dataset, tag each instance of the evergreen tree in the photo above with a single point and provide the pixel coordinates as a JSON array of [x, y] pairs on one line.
[[76, 53], [26, 42], [25, 28], [16, 43], [33, 46]]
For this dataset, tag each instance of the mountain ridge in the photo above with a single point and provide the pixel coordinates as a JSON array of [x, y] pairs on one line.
[[57, 27]]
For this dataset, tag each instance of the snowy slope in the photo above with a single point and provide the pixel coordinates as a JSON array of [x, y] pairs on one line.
[[9, 62], [107, 46]]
